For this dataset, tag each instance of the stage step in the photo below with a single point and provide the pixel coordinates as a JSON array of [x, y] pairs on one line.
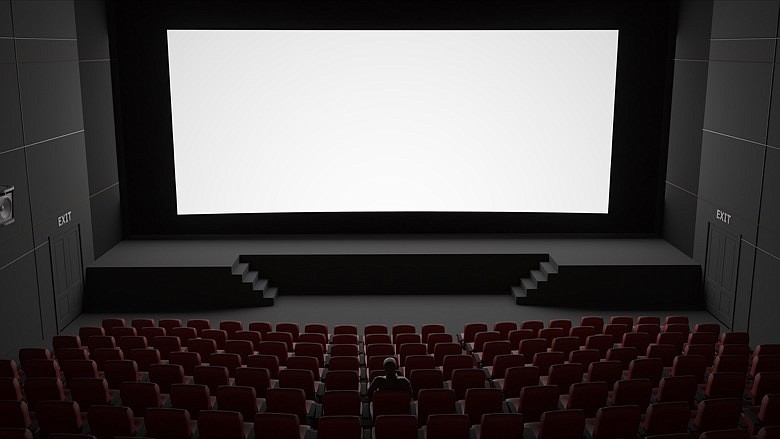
[[269, 296], [265, 295], [519, 294], [240, 268], [538, 276], [549, 267], [260, 285], [250, 277], [529, 287]]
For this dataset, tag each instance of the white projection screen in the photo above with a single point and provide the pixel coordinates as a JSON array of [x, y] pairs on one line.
[[272, 121]]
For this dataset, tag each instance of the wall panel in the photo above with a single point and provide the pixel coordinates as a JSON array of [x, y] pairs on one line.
[[738, 99]]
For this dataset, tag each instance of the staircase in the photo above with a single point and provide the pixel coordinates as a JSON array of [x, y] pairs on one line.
[[254, 283], [528, 290]]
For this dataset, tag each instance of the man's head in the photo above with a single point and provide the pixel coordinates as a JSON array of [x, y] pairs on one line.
[[390, 366]]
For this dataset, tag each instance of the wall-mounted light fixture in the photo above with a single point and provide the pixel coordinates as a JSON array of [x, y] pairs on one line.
[[6, 205]]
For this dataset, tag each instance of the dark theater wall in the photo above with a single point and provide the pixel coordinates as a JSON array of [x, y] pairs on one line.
[[722, 202], [58, 149]]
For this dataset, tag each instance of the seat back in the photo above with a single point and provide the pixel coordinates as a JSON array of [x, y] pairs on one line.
[[650, 368], [543, 360], [426, 379], [287, 400], [564, 375], [205, 347], [450, 426], [431, 328], [764, 383], [480, 338], [168, 423], [454, 362], [211, 376], [551, 334], [390, 403], [529, 347], [667, 418], [501, 426], [341, 403], [269, 362], [693, 365], [535, 400], [14, 414], [79, 369], [165, 375], [433, 402], [677, 388], [504, 328], [231, 327], [435, 338], [43, 389], [565, 344], [609, 372], [443, 349], [585, 357], [348, 339], [242, 399], [395, 427], [597, 322], [502, 362], [564, 324], [624, 355], [58, 417], [414, 362], [519, 377], [464, 379], [292, 328], [632, 392], [588, 397], [479, 401], [582, 332], [118, 371], [725, 385], [220, 424], [274, 425], [145, 358], [10, 390], [298, 379], [342, 380], [108, 421], [253, 337], [315, 350], [304, 363], [408, 349], [140, 396], [600, 342], [470, 330], [339, 427], [192, 397], [89, 391], [187, 360], [257, 378], [561, 424], [718, 414], [617, 422]]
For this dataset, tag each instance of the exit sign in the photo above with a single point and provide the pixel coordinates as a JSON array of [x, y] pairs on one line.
[[723, 216]]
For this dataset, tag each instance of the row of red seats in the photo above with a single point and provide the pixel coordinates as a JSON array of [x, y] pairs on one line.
[[377, 328], [608, 422]]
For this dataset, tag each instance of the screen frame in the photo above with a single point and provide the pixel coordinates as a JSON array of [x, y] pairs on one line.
[[138, 33]]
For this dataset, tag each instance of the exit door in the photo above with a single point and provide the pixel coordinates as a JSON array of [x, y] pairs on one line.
[[66, 270], [720, 276]]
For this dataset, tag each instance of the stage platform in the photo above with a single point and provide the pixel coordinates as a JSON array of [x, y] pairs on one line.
[[146, 275]]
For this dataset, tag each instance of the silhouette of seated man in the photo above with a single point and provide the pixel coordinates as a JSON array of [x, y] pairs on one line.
[[391, 381]]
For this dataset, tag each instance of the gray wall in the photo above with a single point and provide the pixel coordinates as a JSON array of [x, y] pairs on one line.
[[724, 148], [57, 147]]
